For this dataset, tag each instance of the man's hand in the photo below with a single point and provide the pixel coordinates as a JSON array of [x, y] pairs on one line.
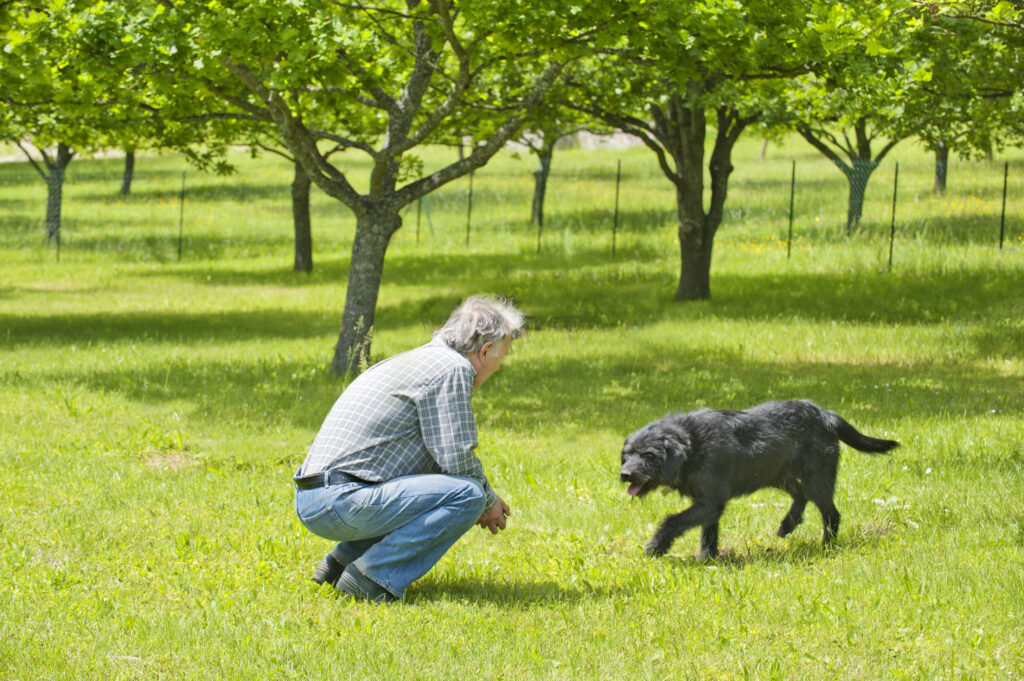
[[493, 518]]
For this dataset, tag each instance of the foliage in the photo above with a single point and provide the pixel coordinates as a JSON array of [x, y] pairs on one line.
[[393, 76], [976, 94]]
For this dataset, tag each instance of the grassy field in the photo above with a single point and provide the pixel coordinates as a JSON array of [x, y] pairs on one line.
[[153, 411]]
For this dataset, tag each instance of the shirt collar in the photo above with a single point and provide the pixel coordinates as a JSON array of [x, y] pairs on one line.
[[462, 358]]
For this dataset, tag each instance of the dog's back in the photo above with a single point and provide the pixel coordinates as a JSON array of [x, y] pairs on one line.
[[771, 442], [776, 418]]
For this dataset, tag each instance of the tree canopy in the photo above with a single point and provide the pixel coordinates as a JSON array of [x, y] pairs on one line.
[[393, 76], [307, 79]]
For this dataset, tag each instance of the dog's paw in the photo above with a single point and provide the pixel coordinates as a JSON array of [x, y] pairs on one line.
[[787, 526], [654, 549]]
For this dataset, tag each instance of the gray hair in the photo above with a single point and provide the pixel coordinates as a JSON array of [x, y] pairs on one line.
[[480, 320]]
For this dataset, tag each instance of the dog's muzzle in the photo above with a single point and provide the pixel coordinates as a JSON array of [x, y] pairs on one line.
[[637, 482]]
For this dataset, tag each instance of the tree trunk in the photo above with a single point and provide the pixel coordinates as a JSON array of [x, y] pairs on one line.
[[540, 183], [374, 229], [55, 192], [694, 250], [129, 173], [857, 176], [941, 166], [300, 217], [687, 128]]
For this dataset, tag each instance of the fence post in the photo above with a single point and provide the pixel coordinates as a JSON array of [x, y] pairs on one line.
[[181, 216], [540, 231], [426, 210], [792, 191], [1002, 217], [469, 206], [615, 219], [892, 228]]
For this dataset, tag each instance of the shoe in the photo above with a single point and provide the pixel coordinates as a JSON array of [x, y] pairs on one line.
[[328, 570], [355, 584]]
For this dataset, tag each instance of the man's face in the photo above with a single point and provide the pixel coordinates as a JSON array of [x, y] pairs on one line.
[[487, 360]]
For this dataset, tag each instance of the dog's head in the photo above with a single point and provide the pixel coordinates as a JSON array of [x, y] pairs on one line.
[[653, 456]]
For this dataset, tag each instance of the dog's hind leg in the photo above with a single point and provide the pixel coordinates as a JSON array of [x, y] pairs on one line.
[[821, 495], [700, 514], [709, 541], [830, 519], [820, 488], [795, 514]]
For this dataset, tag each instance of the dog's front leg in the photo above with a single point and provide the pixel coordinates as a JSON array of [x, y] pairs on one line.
[[678, 523]]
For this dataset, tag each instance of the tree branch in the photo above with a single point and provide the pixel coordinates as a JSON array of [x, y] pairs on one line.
[[300, 141], [808, 134], [481, 153], [274, 150], [383, 99], [460, 85], [31, 160]]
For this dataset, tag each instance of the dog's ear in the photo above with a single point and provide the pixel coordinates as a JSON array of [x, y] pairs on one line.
[[677, 449]]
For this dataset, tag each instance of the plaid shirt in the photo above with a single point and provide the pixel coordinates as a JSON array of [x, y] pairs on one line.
[[407, 415]]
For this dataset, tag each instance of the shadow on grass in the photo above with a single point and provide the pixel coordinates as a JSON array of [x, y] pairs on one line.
[[798, 551], [513, 594], [161, 245], [186, 328], [637, 380], [201, 191], [26, 226], [596, 290], [543, 398], [20, 174]]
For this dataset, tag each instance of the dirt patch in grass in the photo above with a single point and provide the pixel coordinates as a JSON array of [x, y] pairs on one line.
[[168, 460]]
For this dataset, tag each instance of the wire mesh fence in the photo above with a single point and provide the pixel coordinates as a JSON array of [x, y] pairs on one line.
[[612, 201]]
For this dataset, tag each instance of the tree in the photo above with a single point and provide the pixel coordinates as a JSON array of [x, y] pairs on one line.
[[541, 140], [398, 74], [949, 73], [854, 151], [868, 96], [36, 96], [685, 69], [977, 55], [302, 222], [542, 132], [59, 97]]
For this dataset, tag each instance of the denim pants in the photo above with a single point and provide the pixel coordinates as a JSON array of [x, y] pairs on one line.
[[393, 532]]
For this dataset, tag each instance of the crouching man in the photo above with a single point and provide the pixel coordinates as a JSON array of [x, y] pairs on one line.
[[392, 475]]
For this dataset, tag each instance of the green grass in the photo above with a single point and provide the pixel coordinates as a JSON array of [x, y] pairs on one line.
[[153, 411]]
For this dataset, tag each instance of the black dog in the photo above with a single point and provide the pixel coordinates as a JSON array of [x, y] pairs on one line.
[[712, 456]]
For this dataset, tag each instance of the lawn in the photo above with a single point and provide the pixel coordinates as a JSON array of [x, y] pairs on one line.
[[154, 409]]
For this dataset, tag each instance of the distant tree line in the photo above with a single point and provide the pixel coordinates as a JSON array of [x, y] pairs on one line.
[[307, 80]]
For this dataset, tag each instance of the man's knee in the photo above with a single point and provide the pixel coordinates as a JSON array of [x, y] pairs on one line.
[[471, 494]]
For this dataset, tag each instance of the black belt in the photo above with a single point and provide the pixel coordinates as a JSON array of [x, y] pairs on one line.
[[325, 479]]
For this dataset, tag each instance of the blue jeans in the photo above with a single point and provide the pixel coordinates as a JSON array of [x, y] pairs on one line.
[[393, 532]]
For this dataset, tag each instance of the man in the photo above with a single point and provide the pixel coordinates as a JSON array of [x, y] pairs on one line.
[[392, 475]]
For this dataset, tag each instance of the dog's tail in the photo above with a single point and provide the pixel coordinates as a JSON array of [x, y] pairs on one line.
[[856, 439]]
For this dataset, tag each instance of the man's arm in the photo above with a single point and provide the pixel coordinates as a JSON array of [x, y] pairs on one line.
[[449, 429]]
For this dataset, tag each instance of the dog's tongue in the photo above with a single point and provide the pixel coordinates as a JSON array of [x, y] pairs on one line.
[[634, 489]]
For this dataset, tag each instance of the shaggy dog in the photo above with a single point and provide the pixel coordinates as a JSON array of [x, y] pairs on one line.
[[712, 456]]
